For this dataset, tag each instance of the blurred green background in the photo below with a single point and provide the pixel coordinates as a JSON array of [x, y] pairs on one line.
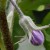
[[36, 9]]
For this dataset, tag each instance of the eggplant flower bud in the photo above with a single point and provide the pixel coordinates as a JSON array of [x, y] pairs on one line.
[[37, 37]]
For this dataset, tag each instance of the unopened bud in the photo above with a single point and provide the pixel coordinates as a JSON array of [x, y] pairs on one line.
[[37, 37]]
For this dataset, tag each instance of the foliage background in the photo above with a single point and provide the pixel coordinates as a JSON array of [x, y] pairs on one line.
[[28, 7]]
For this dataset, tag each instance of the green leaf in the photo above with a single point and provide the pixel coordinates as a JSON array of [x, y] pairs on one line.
[[32, 4], [47, 31], [47, 19]]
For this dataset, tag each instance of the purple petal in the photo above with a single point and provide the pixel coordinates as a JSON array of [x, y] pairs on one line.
[[37, 37], [34, 41]]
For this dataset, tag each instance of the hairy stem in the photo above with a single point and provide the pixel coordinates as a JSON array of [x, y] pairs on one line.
[[17, 8], [5, 31]]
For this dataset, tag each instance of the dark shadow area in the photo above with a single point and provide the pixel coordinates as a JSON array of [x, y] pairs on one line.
[[40, 15]]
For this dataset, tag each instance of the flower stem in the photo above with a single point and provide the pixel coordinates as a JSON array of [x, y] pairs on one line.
[[17, 8]]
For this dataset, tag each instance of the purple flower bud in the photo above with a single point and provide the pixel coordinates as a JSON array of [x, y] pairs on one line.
[[37, 37]]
